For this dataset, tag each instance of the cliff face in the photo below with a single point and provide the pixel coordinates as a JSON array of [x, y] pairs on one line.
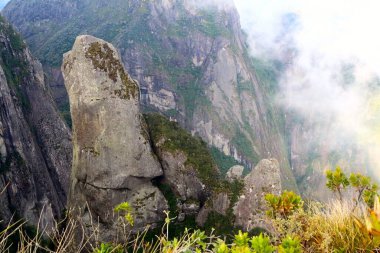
[[35, 144], [192, 64]]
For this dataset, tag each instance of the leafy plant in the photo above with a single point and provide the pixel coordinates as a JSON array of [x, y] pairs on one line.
[[127, 210], [290, 245], [337, 181], [371, 226], [365, 189], [261, 244], [284, 204], [108, 248]]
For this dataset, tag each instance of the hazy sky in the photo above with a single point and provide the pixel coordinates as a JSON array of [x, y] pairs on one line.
[[3, 3], [332, 39]]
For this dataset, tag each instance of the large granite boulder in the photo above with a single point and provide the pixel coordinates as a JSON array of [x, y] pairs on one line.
[[112, 159], [250, 209]]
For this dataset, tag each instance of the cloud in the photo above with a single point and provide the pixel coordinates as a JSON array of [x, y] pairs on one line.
[[3, 3], [332, 78]]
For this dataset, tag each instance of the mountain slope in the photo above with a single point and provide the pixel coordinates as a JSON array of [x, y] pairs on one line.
[[192, 65], [35, 143]]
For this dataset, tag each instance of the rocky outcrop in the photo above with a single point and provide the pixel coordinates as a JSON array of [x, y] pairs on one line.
[[191, 62], [112, 159], [35, 143], [250, 209], [235, 173], [190, 174]]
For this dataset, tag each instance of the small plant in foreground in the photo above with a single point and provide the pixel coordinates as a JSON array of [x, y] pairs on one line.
[[284, 204], [262, 244], [125, 208], [290, 245], [337, 181], [108, 248], [372, 222]]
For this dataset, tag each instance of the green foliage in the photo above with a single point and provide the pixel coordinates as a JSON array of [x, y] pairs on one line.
[[337, 181], [284, 204], [221, 247], [366, 191], [177, 139], [109, 248], [126, 209], [14, 62], [244, 145], [241, 239], [223, 161], [262, 244], [370, 194], [290, 245], [243, 243]]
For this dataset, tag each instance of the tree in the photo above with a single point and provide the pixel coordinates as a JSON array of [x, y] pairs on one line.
[[337, 181]]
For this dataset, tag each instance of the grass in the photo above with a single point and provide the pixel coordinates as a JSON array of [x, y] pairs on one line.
[[327, 228], [332, 227], [319, 228]]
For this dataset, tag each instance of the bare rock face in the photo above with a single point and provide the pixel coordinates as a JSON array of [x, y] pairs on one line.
[[112, 160], [250, 208], [235, 173], [35, 143]]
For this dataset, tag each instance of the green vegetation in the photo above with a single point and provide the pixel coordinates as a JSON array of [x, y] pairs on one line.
[[177, 139], [103, 58], [241, 141], [337, 181], [199, 158], [224, 162], [283, 205], [366, 190], [333, 227], [14, 62]]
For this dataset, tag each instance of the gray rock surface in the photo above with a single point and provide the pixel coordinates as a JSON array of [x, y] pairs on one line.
[[35, 143], [250, 209], [235, 173], [112, 159]]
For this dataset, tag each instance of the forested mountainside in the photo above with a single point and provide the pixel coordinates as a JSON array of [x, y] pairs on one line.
[[192, 65], [35, 143]]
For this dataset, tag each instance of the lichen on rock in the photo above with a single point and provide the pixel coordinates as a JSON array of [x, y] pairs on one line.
[[103, 58]]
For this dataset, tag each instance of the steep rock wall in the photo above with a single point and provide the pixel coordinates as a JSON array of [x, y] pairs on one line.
[[35, 143], [112, 158]]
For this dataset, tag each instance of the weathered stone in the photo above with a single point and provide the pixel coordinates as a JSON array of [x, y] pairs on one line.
[[182, 177], [235, 173], [113, 161], [219, 203], [250, 208], [35, 143]]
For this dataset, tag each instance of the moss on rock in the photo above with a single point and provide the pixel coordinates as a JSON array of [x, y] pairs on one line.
[[103, 58]]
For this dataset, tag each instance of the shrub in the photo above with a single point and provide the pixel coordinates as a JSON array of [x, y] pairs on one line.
[[290, 245], [337, 181], [283, 205]]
